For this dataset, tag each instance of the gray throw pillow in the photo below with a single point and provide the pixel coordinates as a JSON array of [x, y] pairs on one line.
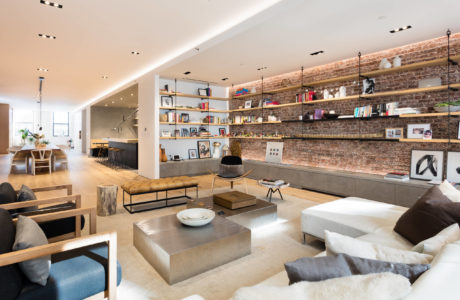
[[322, 268], [28, 235], [26, 194]]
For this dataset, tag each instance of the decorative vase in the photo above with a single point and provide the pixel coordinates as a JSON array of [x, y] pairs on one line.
[[226, 150], [216, 150], [384, 64], [343, 91], [163, 157], [253, 90], [397, 61], [326, 94]]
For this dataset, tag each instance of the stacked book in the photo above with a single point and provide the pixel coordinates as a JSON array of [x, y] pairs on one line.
[[272, 182], [397, 176]]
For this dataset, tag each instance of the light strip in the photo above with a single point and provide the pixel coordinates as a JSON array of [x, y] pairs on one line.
[[47, 36], [400, 29], [51, 3], [215, 31], [42, 69]]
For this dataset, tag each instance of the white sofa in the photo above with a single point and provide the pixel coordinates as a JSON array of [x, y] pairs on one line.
[[374, 221]]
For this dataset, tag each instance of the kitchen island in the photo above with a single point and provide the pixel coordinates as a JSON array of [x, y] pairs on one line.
[[124, 151]]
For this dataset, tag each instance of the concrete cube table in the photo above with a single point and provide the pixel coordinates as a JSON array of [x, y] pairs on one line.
[[178, 252]]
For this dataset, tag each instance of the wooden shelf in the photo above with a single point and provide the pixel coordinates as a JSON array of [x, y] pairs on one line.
[[429, 141], [179, 123], [442, 114], [192, 137], [196, 109], [193, 96], [256, 137], [256, 123]]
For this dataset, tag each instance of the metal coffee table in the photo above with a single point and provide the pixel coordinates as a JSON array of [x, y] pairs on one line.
[[250, 217], [178, 252]]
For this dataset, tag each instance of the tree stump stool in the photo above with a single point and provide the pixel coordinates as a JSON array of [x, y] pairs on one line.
[[106, 200]]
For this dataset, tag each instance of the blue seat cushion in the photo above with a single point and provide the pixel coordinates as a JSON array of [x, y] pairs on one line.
[[76, 275]]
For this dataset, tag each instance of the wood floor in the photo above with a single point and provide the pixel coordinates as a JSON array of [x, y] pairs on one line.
[[85, 174]]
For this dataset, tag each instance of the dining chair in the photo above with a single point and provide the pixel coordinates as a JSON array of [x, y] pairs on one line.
[[60, 156], [19, 157], [41, 159]]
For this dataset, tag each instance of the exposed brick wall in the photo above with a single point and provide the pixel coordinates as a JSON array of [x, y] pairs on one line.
[[369, 157]]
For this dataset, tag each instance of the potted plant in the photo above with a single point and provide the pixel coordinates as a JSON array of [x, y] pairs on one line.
[[24, 134]]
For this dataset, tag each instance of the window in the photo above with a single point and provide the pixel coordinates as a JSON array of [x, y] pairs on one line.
[[60, 124]]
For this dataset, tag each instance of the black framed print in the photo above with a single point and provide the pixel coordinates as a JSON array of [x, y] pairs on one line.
[[453, 166], [192, 154], [204, 149], [166, 101], [426, 165], [458, 133]]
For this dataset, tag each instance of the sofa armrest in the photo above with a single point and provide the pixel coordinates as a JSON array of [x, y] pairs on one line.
[[57, 200], [67, 187], [35, 252]]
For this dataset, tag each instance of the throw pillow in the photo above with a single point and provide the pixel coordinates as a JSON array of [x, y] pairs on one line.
[[28, 235], [327, 267], [450, 191], [382, 286], [428, 216], [10, 276], [26, 194], [434, 244], [337, 243], [7, 195]]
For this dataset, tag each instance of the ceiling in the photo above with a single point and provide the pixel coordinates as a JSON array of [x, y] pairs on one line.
[[126, 98], [283, 43], [96, 38]]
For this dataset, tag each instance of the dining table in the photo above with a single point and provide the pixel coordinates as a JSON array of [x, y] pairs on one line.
[[28, 149]]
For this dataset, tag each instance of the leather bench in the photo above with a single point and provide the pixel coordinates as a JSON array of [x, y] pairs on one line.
[[139, 187]]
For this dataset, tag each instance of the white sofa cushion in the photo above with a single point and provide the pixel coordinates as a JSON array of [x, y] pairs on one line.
[[434, 244], [349, 216], [338, 243], [386, 236], [382, 286], [450, 191]]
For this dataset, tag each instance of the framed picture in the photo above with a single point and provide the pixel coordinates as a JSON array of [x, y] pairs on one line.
[[274, 152], [368, 85], [222, 132], [416, 131], [165, 133], [176, 132], [184, 118], [204, 149], [192, 154], [453, 166], [185, 132], [166, 101], [202, 92], [247, 103], [458, 134], [394, 133], [426, 164], [193, 131]]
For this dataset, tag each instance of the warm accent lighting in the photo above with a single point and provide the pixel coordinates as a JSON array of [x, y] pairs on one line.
[[104, 76], [42, 70], [401, 29], [186, 73], [47, 36], [223, 79], [51, 3], [135, 53], [317, 52]]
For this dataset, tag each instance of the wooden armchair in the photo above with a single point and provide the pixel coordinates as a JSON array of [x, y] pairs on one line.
[[60, 284]]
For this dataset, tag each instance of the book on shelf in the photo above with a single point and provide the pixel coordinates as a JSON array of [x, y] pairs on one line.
[[398, 176]]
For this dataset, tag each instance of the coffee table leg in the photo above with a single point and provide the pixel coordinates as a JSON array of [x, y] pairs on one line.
[[279, 191]]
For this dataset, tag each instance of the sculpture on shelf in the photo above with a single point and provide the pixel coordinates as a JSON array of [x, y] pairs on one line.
[[342, 91], [397, 61], [225, 150], [163, 157], [216, 150], [384, 64], [235, 148]]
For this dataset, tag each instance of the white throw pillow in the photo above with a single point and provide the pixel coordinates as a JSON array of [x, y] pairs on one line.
[[434, 244], [450, 191], [380, 286], [338, 243]]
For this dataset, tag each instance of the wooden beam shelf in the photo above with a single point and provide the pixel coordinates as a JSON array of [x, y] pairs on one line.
[[194, 123], [196, 109], [256, 137], [429, 141], [193, 96], [441, 114], [256, 123], [192, 137]]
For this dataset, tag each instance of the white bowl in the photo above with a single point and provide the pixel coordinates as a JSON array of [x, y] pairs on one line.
[[195, 216], [446, 109]]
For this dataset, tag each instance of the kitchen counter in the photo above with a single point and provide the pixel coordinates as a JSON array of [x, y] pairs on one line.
[[126, 153], [126, 141]]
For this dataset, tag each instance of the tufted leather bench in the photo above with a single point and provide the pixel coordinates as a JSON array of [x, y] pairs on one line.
[[138, 187]]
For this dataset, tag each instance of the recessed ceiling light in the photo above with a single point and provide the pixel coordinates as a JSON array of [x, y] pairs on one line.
[[104, 76], [121, 98], [113, 102], [186, 73], [317, 52], [132, 94], [223, 79], [106, 105], [42, 69], [400, 29], [47, 36], [261, 68], [51, 3], [135, 53]]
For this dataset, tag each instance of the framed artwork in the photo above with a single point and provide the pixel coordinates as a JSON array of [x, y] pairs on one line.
[[204, 149], [185, 118], [458, 134], [176, 132], [193, 131], [165, 133], [192, 154], [416, 131], [166, 101], [222, 132], [426, 165], [247, 103], [274, 152], [185, 132], [368, 85], [394, 133], [453, 166], [202, 92]]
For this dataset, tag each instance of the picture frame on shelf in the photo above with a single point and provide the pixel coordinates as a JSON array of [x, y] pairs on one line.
[[458, 133], [204, 149], [427, 164], [247, 103], [368, 86], [165, 133], [222, 131], [185, 132], [453, 166], [202, 92], [176, 132], [416, 131], [192, 154], [193, 131], [394, 133], [184, 118], [167, 101], [428, 134]]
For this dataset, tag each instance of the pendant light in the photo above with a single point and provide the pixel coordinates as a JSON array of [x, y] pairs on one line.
[[40, 101]]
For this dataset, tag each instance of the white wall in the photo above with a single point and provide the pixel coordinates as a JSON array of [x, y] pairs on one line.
[[76, 129]]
